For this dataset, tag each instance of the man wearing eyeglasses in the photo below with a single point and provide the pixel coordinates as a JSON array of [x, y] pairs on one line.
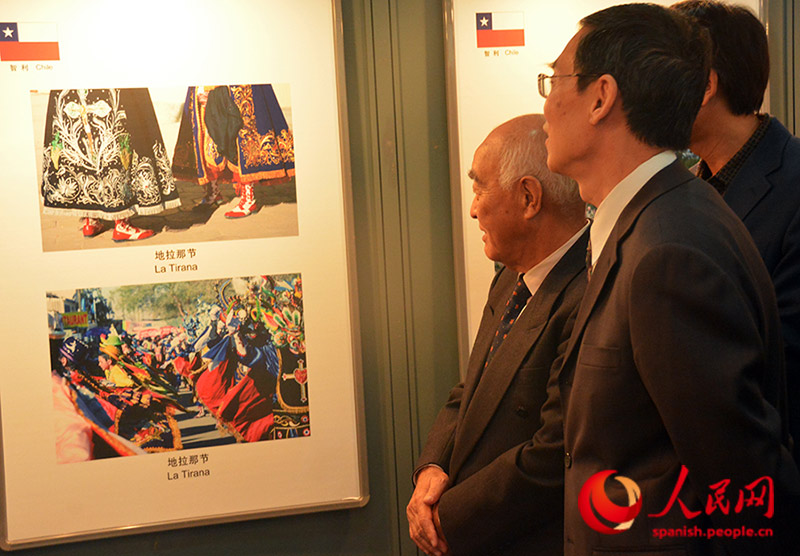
[[490, 477], [754, 162], [673, 377]]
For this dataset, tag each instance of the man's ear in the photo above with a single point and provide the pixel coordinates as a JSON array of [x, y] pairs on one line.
[[531, 196], [711, 87], [605, 93]]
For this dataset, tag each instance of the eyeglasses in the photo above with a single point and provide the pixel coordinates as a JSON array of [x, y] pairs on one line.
[[546, 81]]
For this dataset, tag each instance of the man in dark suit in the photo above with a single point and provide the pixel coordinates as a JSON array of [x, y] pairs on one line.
[[674, 372], [490, 477], [754, 162]]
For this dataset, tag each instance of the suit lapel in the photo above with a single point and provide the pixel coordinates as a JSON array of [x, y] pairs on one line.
[[750, 185], [493, 312], [486, 395], [602, 269], [605, 268]]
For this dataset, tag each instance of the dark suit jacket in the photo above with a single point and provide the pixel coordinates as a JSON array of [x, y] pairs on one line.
[[506, 485], [676, 359], [765, 194]]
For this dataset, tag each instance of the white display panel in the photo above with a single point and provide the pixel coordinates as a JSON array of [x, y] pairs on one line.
[[167, 47]]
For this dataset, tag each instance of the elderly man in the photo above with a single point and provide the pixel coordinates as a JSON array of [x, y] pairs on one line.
[[754, 162], [490, 477], [674, 372]]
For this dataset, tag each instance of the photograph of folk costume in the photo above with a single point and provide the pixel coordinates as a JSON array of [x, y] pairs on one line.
[[251, 357], [165, 367], [131, 175], [237, 134], [104, 160]]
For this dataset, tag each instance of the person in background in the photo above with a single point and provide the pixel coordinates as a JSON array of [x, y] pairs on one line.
[[754, 162]]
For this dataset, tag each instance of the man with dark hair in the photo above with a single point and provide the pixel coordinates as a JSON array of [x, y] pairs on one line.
[[490, 477], [754, 162], [673, 374]]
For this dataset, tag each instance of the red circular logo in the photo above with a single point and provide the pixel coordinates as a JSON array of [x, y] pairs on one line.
[[594, 503]]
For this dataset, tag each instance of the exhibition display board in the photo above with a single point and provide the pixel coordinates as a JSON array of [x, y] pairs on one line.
[[180, 332]]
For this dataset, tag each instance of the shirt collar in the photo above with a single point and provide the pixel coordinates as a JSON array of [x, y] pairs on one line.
[[536, 275], [615, 202], [722, 179]]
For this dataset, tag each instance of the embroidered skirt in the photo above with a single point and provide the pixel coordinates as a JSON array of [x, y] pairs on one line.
[[104, 156], [234, 133]]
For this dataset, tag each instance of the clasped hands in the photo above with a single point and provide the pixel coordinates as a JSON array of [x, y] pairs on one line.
[[423, 512]]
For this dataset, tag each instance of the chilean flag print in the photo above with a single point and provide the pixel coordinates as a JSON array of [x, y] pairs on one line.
[[28, 42], [500, 29]]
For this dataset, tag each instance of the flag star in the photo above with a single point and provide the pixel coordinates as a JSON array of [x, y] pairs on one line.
[[484, 22], [8, 32]]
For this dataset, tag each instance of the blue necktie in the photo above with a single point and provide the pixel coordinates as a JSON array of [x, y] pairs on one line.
[[514, 305]]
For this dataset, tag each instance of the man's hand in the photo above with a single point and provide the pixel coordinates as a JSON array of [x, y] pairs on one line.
[[431, 483]]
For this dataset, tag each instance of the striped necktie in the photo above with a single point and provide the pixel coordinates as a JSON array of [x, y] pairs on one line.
[[590, 211], [589, 265]]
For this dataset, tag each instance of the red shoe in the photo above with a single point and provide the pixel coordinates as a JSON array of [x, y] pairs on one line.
[[247, 204], [123, 231], [91, 227]]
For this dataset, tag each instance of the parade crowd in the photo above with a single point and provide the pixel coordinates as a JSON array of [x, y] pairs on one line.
[[240, 361]]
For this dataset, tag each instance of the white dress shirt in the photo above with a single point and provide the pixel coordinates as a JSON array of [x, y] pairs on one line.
[[536, 275], [615, 202]]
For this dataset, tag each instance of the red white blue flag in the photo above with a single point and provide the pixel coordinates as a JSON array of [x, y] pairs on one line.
[[28, 42], [500, 29]]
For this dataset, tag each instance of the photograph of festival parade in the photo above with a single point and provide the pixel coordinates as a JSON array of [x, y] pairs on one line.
[[161, 367]]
